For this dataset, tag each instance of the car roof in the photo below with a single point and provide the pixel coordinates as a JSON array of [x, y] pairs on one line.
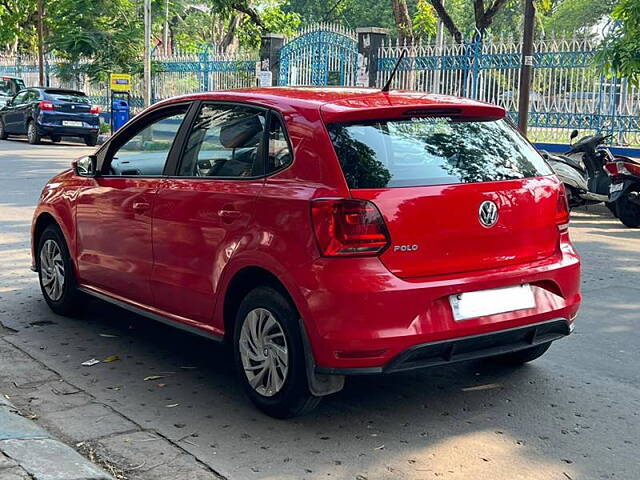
[[341, 101]]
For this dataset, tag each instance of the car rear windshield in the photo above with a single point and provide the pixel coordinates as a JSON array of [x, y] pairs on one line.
[[66, 96], [432, 151]]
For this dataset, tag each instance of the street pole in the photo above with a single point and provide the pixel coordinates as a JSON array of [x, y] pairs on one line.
[[40, 8], [165, 37], [147, 53], [527, 66]]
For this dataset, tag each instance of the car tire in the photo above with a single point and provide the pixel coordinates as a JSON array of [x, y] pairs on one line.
[[613, 208], [55, 273], [628, 211], [3, 133], [32, 133], [91, 140], [521, 357], [56, 138], [272, 372]]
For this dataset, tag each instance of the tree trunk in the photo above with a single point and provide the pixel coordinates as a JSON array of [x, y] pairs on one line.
[[403, 21]]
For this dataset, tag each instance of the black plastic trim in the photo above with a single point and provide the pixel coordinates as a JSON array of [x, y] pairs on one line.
[[473, 347]]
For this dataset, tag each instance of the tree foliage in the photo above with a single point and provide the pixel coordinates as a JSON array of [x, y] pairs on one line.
[[620, 54]]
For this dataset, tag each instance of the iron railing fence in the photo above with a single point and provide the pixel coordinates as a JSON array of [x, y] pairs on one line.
[[171, 75], [567, 91]]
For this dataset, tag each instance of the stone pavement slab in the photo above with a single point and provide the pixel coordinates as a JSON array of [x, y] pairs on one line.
[[37, 458], [49, 397], [88, 422], [14, 426], [161, 460]]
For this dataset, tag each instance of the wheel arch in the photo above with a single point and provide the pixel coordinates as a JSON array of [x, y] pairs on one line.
[[242, 282], [41, 222]]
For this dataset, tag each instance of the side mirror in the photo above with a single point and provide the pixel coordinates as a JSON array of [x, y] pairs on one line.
[[573, 135], [85, 166]]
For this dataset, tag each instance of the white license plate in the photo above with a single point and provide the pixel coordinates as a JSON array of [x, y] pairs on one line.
[[615, 187], [71, 123], [491, 302]]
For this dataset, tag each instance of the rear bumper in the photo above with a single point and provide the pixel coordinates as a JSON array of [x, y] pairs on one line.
[[360, 318], [466, 348], [45, 129]]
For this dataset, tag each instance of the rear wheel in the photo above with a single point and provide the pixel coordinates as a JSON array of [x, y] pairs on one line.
[[55, 272], [628, 211], [3, 133], [269, 354], [613, 207], [32, 133], [522, 356], [91, 140], [56, 138]]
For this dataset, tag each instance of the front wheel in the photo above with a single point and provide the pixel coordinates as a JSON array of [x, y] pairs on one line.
[[629, 211], [32, 133], [269, 354], [91, 140], [521, 357], [55, 271], [56, 138]]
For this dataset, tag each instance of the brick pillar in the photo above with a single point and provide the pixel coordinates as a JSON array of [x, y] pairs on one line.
[[370, 39], [270, 46]]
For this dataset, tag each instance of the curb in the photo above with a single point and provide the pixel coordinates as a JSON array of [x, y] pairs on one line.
[[40, 455]]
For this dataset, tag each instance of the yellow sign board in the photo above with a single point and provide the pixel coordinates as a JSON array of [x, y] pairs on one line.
[[120, 82]]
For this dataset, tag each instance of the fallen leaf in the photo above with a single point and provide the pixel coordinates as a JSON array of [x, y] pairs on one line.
[[107, 335], [172, 405], [153, 377], [161, 385], [90, 363], [111, 358]]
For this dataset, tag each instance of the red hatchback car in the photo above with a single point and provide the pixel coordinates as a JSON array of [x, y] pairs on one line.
[[324, 232]]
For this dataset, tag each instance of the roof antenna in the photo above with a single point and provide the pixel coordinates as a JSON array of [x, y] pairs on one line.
[[387, 85]]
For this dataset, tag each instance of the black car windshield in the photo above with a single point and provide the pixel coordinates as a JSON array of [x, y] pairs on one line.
[[432, 151], [67, 96], [10, 86]]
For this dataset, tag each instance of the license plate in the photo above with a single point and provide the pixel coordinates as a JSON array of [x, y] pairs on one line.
[[615, 187], [71, 123], [490, 302]]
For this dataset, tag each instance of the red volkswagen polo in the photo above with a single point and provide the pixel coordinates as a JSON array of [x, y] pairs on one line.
[[324, 232]]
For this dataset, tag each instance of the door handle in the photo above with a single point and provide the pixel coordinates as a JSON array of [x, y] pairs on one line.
[[228, 214], [141, 206]]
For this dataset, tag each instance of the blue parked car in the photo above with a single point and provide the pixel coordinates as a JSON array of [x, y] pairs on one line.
[[50, 112]]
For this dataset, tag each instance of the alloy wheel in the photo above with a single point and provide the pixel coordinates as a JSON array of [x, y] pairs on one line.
[[52, 270], [31, 133], [264, 352]]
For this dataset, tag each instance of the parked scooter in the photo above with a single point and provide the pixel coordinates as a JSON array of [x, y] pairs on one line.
[[624, 191], [581, 170]]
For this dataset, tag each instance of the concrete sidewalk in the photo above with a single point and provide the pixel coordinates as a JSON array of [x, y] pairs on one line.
[[27, 452]]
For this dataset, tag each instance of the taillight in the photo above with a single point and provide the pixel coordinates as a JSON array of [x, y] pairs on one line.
[[348, 227], [95, 109], [562, 209], [616, 169], [46, 105]]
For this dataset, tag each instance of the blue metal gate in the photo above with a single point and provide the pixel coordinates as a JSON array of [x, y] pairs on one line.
[[320, 55]]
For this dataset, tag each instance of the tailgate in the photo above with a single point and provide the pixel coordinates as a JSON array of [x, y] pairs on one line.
[[437, 229]]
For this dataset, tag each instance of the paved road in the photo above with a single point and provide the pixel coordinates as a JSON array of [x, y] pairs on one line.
[[573, 414]]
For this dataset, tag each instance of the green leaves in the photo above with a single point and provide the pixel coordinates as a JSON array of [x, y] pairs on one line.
[[620, 54]]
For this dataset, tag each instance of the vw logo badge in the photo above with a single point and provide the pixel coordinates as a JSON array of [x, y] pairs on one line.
[[488, 213]]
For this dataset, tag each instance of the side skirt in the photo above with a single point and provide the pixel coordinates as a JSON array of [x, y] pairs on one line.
[[153, 316]]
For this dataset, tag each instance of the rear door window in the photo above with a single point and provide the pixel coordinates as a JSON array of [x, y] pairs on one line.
[[432, 151], [225, 142]]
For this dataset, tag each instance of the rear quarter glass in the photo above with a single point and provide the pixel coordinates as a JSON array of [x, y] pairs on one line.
[[426, 151]]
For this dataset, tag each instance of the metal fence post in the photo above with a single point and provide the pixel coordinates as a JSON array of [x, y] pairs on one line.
[[370, 40], [270, 46], [476, 49], [204, 69]]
